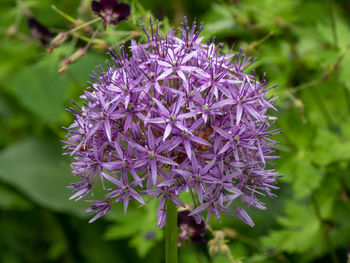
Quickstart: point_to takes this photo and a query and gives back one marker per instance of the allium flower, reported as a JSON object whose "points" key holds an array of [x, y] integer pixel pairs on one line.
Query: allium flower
{"points": [[175, 116], [111, 11]]}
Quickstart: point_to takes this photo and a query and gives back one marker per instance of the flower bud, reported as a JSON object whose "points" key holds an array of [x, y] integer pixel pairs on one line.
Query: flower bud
{"points": [[64, 65], [58, 40], [213, 248], [11, 30], [224, 250], [77, 55], [135, 33], [229, 232], [99, 45], [216, 245], [299, 103], [112, 12], [219, 236]]}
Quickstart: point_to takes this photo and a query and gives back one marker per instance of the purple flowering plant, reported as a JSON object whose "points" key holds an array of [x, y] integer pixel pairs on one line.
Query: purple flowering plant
{"points": [[174, 115]]}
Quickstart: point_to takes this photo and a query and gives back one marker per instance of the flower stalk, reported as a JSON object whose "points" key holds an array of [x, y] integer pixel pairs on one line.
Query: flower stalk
{"points": [[171, 233]]}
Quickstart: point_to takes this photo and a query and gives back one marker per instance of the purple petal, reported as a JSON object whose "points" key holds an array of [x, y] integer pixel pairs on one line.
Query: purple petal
{"points": [[165, 160], [239, 114], [126, 203], [199, 140], [151, 140], [225, 148], [167, 131], [188, 149], [154, 171], [244, 216], [200, 209]]}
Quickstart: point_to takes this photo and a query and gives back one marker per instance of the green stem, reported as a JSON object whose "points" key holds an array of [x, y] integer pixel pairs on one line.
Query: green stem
{"points": [[332, 17], [319, 102], [171, 233], [84, 25], [63, 14], [92, 37]]}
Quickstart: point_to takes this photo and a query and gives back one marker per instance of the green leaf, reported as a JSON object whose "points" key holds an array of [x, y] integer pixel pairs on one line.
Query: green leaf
{"points": [[41, 90], [138, 224], [219, 21], [344, 69], [343, 32], [327, 194], [331, 147], [38, 170], [302, 174], [11, 200], [301, 232]]}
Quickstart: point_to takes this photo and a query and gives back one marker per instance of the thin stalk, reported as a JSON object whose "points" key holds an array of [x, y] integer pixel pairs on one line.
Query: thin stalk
{"points": [[332, 17], [316, 96], [335, 39], [257, 43], [81, 37], [84, 25], [139, 6], [63, 14], [347, 98], [193, 199], [171, 233], [93, 37]]}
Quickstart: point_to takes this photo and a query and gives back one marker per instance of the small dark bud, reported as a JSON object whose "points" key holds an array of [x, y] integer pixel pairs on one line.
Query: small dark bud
{"points": [[150, 235], [39, 31], [111, 11], [190, 229]]}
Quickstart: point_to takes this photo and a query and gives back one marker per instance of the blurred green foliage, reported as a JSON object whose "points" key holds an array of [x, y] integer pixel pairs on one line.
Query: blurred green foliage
{"points": [[302, 45]]}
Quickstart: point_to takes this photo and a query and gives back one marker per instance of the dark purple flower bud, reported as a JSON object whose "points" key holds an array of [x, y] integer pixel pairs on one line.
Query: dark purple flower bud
{"points": [[39, 31], [190, 228], [111, 11]]}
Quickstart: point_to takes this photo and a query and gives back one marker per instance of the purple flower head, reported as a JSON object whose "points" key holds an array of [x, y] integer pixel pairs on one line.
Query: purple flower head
{"points": [[39, 31], [111, 11], [175, 116]]}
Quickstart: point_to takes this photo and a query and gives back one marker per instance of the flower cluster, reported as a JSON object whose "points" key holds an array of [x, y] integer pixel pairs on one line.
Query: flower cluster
{"points": [[177, 115]]}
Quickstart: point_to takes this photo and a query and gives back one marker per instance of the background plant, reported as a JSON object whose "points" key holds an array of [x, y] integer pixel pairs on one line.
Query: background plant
{"points": [[303, 45]]}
